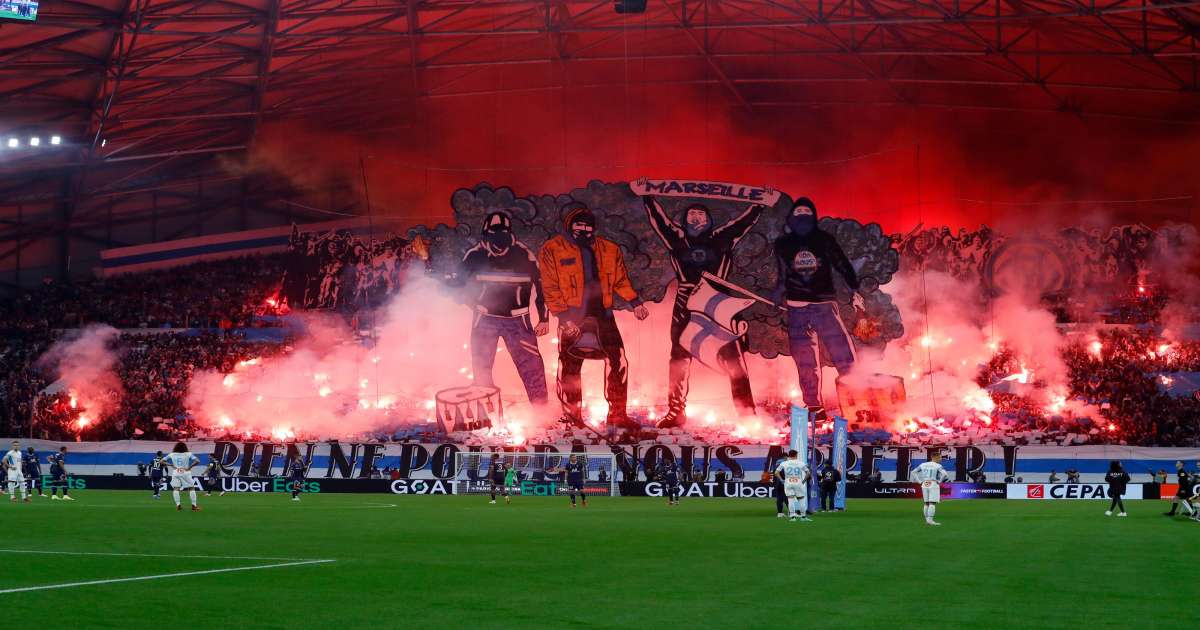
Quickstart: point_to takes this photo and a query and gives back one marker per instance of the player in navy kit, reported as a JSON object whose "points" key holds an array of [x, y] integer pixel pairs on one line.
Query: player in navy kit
{"points": [[668, 473], [58, 474], [212, 478], [296, 476], [33, 471], [497, 477], [576, 471], [157, 465]]}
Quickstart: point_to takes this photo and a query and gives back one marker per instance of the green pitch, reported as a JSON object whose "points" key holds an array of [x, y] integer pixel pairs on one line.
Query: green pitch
{"points": [[405, 561], [12, 14]]}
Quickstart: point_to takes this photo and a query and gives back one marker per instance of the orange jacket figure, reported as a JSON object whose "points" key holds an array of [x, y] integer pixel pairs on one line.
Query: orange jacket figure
{"points": [[580, 274], [561, 263]]}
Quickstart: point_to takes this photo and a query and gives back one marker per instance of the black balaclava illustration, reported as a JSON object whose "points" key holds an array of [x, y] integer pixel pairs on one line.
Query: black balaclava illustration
{"points": [[802, 221], [698, 228], [583, 235], [497, 232]]}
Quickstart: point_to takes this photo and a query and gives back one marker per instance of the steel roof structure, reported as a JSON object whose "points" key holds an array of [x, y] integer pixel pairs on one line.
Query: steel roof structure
{"points": [[148, 95]]}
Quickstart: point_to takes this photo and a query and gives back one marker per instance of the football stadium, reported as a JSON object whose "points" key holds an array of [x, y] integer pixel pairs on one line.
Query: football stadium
{"points": [[595, 313]]}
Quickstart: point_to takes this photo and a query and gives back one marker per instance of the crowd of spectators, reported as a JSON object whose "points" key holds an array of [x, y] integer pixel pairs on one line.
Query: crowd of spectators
{"points": [[231, 293], [1116, 376], [154, 370], [20, 381], [1121, 372]]}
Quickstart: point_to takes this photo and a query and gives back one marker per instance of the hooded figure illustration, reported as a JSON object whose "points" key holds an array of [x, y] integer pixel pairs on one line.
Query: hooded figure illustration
{"points": [[502, 275], [807, 258], [696, 247], [581, 273]]}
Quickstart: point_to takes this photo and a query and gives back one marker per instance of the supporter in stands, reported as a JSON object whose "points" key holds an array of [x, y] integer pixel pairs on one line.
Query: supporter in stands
{"points": [[193, 296], [1122, 376]]}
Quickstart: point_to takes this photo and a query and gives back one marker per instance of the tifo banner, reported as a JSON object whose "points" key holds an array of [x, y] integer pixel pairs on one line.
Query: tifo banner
{"points": [[705, 190], [1059, 491], [713, 308], [699, 462], [167, 254], [693, 489], [336, 267]]}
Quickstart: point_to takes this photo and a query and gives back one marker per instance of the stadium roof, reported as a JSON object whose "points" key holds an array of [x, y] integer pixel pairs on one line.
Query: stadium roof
{"points": [[147, 92]]}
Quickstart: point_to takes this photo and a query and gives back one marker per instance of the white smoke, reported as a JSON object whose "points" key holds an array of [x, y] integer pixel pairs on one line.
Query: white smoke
{"points": [[84, 362]]}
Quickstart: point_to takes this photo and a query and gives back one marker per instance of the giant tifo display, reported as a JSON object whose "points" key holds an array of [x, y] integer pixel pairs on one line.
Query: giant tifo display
{"points": [[657, 311]]}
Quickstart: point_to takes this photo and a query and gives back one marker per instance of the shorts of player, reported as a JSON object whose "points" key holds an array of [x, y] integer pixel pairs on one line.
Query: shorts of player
{"points": [[16, 478], [931, 492], [182, 482], [795, 490]]}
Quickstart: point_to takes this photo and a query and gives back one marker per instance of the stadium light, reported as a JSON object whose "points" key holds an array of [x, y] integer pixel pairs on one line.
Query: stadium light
{"points": [[55, 140], [13, 143], [35, 141]]}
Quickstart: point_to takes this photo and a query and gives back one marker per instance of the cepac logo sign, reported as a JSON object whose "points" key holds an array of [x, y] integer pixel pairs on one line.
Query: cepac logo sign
{"points": [[1069, 491]]}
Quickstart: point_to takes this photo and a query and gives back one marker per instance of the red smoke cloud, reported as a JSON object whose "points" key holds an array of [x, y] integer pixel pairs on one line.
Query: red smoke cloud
{"points": [[1009, 170]]}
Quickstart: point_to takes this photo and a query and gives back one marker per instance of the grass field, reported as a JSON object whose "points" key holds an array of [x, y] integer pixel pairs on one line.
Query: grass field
{"points": [[422, 561]]}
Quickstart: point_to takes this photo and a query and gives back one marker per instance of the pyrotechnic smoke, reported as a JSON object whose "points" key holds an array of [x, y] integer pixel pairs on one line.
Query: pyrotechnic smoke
{"points": [[951, 332], [85, 362], [334, 383]]}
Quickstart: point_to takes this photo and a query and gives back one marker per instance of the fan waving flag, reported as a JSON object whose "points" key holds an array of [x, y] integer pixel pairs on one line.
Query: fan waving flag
{"points": [[711, 324]]}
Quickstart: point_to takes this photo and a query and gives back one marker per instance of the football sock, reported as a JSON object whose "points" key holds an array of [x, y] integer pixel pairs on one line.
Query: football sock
{"points": [[192, 495], [175, 494]]}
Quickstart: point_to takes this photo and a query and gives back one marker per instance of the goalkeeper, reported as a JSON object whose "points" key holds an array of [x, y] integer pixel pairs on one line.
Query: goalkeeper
{"points": [[510, 482]]}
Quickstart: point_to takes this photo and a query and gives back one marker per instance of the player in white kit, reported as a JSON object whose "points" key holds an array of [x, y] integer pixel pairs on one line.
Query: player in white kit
{"points": [[794, 474], [930, 476], [14, 466], [180, 462]]}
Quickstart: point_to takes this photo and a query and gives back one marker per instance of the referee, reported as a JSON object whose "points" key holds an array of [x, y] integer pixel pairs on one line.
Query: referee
{"points": [[1184, 493]]}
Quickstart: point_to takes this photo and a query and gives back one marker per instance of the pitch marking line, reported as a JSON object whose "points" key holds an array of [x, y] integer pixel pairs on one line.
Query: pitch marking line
{"points": [[159, 577], [148, 555], [290, 562]]}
